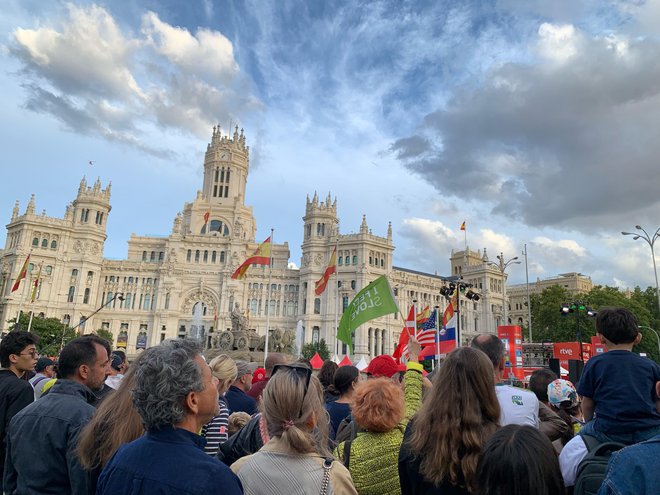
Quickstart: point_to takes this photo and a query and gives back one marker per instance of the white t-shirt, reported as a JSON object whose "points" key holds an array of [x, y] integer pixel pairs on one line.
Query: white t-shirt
{"points": [[519, 407], [570, 457]]}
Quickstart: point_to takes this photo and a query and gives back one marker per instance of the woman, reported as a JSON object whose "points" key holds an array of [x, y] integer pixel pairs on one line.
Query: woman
{"points": [[115, 423], [519, 460], [223, 368], [295, 461], [564, 400], [343, 386], [326, 376], [443, 442]]}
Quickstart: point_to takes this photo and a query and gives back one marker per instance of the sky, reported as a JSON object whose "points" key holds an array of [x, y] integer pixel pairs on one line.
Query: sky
{"points": [[534, 122]]}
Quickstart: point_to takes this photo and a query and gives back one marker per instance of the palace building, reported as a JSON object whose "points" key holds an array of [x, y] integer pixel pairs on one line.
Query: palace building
{"points": [[180, 284]]}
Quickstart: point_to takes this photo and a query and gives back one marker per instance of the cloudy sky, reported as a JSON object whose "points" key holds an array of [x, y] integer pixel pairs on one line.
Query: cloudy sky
{"points": [[535, 122]]}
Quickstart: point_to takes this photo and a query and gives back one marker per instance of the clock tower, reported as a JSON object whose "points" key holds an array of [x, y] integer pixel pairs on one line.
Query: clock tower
{"points": [[225, 168]]}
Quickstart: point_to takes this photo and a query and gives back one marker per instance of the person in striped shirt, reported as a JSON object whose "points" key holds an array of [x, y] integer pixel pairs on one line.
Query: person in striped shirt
{"points": [[216, 431]]}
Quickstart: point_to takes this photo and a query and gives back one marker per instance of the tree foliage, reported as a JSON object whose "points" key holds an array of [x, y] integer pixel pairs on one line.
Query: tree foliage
{"points": [[549, 325], [53, 334], [321, 347], [105, 334]]}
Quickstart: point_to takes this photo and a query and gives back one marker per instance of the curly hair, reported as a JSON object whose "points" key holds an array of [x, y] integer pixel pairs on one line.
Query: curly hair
{"points": [[165, 375], [327, 372], [378, 405], [459, 414], [115, 423], [289, 411], [14, 343]]}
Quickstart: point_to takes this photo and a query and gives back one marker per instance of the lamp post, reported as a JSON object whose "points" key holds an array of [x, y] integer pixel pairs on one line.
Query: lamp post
{"points": [[529, 303], [656, 335], [576, 307], [650, 241], [502, 266]]}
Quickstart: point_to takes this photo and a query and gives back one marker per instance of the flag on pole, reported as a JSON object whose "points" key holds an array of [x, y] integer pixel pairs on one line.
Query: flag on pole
{"points": [[463, 225], [374, 300], [447, 334], [21, 275], [206, 217], [423, 316], [330, 269], [408, 328], [35, 289], [427, 332], [260, 257]]}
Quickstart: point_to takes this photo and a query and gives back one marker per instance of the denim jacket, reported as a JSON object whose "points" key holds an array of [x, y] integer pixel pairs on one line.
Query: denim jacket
{"points": [[633, 470]]}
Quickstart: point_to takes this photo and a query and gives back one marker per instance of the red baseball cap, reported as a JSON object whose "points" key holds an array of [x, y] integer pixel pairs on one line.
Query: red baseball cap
{"points": [[383, 365]]}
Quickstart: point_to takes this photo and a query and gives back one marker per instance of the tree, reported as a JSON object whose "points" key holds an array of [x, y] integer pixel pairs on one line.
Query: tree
{"points": [[53, 334], [321, 347], [106, 334]]}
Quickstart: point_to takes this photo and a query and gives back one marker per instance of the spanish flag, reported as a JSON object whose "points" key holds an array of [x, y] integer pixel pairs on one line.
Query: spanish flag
{"points": [[21, 275], [423, 316], [330, 269], [35, 288], [260, 257], [463, 225]]}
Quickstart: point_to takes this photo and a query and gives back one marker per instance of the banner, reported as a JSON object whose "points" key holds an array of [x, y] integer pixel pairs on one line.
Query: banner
{"points": [[374, 300]]}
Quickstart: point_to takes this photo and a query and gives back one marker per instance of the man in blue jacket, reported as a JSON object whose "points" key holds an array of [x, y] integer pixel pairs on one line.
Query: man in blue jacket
{"points": [[175, 395], [42, 438]]}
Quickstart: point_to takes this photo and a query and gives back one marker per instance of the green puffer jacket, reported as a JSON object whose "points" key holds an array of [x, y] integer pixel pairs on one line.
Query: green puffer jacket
{"points": [[374, 456]]}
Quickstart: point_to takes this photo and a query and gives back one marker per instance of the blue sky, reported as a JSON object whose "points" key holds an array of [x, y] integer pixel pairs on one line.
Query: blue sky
{"points": [[534, 121]]}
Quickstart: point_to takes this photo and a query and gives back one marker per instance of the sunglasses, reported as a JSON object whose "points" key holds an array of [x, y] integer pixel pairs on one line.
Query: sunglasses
{"points": [[301, 372]]}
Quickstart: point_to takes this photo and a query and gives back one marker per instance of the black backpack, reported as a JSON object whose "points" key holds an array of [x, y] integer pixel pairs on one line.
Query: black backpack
{"points": [[591, 470]]}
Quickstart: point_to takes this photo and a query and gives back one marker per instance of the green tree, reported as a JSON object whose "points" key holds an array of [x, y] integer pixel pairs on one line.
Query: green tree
{"points": [[321, 347], [53, 334], [106, 334]]}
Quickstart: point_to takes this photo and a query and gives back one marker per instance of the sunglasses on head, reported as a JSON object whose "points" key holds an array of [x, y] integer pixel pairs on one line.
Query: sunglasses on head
{"points": [[302, 372]]}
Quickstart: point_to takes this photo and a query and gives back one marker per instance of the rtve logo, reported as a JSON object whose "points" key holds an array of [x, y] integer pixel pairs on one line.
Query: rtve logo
{"points": [[568, 352]]}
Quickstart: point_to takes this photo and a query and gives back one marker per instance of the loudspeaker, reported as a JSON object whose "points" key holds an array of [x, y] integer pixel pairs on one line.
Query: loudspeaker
{"points": [[575, 368], [554, 367]]}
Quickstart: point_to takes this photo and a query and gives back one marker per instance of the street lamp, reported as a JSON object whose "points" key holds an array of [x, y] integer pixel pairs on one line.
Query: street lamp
{"points": [[576, 307], [656, 335], [651, 241], [502, 266]]}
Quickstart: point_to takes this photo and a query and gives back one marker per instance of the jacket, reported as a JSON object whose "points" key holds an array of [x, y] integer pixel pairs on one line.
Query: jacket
{"points": [[42, 439], [633, 470], [245, 441], [15, 394], [373, 456], [238, 400], [277, 470], [167, 461], [550, 423]]}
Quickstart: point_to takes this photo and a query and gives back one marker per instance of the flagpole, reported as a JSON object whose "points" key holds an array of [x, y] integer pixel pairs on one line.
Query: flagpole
{"points": [[34, 295], [336, 294], [20, 299], [270, 278], [458, 315], [437, 335], [415, 317]]}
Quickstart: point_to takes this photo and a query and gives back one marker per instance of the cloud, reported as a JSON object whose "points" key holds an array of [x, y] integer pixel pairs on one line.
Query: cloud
{"points": [[98, 79], [552, 141]]}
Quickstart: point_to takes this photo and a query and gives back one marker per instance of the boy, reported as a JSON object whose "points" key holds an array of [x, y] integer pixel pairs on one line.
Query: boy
{"points": [[618, 386]]}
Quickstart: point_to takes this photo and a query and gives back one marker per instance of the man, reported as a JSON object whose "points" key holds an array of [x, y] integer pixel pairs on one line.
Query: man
{"points": [[45, 369], [116, 376], [175, 395], [18, 354], [50, 426], [273, 359], [518, 406], [236, 397]]}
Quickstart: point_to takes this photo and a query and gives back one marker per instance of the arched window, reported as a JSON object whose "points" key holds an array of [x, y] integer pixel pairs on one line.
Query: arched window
{"points": [[347, 260], [197, 256], [161, 256], [153, 256], [144, 256], [127, 300], [35, 242], [86, 296], [317, 306], [53, 244], [71, 295], [188, 255], [213, 257], [206, 256], [74, 272], [340, 259], [222, 256], [355, 259], [271, 307], [49, 270], [44, 243], [147, 301], [253, 306]]}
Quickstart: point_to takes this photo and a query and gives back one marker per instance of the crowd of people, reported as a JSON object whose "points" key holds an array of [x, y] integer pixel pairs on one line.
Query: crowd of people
{"points": [[171, 422]]}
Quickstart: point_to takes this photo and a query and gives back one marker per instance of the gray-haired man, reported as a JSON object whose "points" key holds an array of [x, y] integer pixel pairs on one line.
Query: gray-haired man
{"points": [[175, 395]]}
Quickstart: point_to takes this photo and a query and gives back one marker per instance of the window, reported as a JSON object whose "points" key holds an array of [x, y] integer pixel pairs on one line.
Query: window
{"points": [[197, 256], [53, 244], [317, 306], [167, 301], [347, 260], [188, 255], [74, 272], [344, 303], [44, 243], [222, 256], [161, 256], [213, 256], [86, 296], [355, 259], [127, 300], [271, 307], [316, 331], [353, 284], [30, 267], [35, 242], [340, 260], [147, 302], [49, 270], [206, 256], [109, 297], [71, 295], [152, 258], [144, 256]]}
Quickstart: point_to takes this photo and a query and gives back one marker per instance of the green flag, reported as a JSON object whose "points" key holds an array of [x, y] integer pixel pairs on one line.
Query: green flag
{"points": [[371, 302]]}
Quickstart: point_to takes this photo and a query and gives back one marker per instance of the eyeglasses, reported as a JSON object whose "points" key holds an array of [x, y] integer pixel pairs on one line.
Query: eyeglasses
{"points": [[298, 371], [32, 353]]}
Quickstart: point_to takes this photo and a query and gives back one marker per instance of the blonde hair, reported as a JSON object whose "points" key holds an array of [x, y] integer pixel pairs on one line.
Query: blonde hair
{"points": [[224, 369], [237, 420], [296, 416]]}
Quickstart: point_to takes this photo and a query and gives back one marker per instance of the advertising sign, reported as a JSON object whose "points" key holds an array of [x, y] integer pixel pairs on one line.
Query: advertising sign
{"points": [[597, 346], [511, 337]]}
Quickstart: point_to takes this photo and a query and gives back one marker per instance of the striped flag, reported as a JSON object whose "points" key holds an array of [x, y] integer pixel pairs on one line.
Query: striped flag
{"points": [[322, 283], [427, 332], [260, 257], [21, 275], [408, 330], [37, 281], [463, 225]]}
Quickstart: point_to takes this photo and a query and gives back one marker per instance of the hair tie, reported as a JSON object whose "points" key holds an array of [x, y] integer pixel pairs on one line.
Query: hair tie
{"points": [[287, 424]]}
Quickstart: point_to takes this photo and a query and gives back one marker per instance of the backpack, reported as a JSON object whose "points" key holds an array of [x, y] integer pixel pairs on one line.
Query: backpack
{"points": [[591, 470]]}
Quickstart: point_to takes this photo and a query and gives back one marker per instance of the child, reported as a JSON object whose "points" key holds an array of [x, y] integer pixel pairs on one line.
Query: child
{"points": [[237, 421], [618, 386]]}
